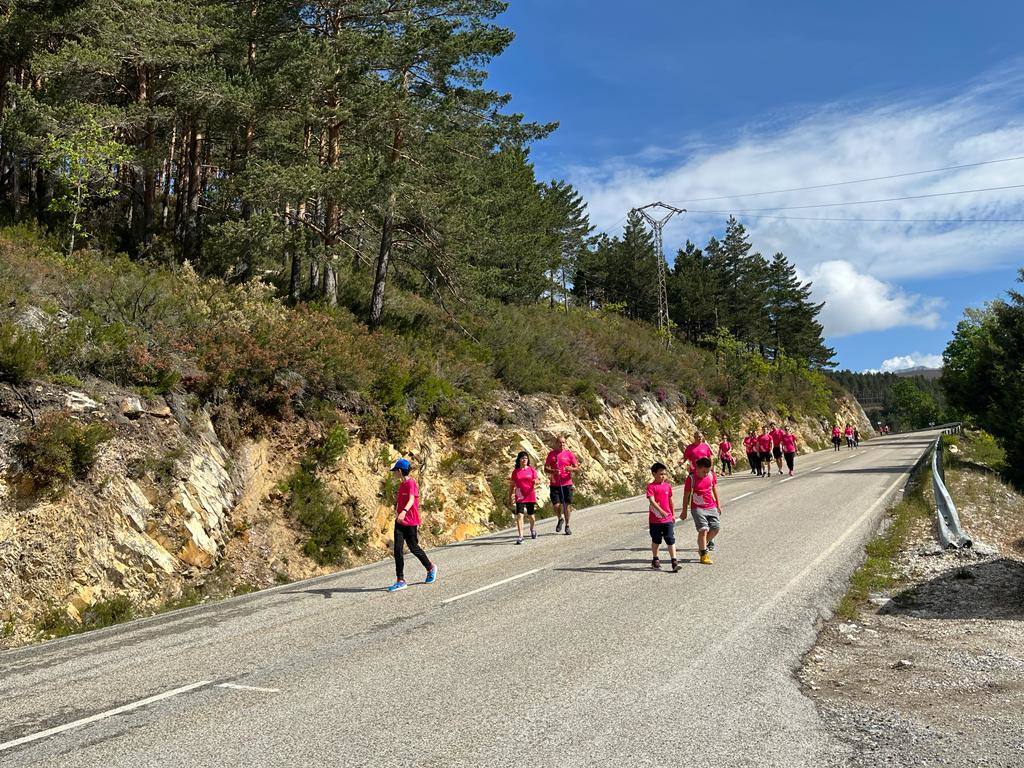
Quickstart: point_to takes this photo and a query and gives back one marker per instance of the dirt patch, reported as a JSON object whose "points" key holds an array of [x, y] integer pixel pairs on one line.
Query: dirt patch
{"points": [[932, 673]]}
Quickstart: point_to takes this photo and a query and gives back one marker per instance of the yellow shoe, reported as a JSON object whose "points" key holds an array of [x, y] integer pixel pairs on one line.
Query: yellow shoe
{"points": [[705, 559]]}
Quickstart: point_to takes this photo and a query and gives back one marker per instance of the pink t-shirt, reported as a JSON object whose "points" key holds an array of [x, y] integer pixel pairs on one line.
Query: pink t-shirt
{"points": [[788, 443], [764, 443], [849, 431], [661, 493], [836, 431], [558, 461], [725, 449], [776, 436], [703, 496], [524, 479], [749, 444], [406, 490], [696, 451]]}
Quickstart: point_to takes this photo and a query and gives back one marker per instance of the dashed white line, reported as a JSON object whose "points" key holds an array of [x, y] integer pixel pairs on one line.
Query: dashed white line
{"points": [[742, 496], [837, 461], [786, 479], [101, 716], [237, 687], [492, 586], [816, 469]]}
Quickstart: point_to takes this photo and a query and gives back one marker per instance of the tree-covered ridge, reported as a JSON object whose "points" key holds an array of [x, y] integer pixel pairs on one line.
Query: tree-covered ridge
{"points": [[337, 147], [726, 286], [900, 401]]}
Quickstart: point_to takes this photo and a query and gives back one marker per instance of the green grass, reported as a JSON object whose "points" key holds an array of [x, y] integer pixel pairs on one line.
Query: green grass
{"points": [[877, 574], [55, 621]]}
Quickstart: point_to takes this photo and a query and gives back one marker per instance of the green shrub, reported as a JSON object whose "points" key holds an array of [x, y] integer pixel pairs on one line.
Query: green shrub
{"points": [[59, 449], [55, 622], [330, 448], [332, 533], [21, 353]]}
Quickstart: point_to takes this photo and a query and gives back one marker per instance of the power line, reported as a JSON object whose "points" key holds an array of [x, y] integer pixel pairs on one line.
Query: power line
{"points": [[867, 202], [852, 181], [873, 220]]}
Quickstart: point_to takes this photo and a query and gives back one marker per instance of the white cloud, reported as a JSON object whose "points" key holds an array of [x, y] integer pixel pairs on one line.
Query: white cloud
{"points": [[913, 360], [840, 142], [856, 302]]}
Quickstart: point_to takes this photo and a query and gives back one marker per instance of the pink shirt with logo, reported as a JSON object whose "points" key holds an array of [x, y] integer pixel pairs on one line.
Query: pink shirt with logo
{"points": [[524, 479], [776, 436], [764, 443], [558, 461], [702, 492], [406, 490], [661, 493], [788, 443]]}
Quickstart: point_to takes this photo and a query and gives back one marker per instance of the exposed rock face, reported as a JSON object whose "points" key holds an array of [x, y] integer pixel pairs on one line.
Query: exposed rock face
{"points": [[167, 506]]}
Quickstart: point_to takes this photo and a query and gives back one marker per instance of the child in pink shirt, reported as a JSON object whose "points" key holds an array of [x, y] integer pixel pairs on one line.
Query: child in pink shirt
{"points": [[661, 516], [700, 495]]}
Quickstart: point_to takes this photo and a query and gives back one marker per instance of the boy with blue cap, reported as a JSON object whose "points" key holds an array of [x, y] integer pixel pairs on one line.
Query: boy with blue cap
{"points": [[407, 523]]}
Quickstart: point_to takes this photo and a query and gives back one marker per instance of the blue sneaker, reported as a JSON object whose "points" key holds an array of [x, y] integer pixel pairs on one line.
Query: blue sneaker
{"points": [[431, 575], [397, 586]]}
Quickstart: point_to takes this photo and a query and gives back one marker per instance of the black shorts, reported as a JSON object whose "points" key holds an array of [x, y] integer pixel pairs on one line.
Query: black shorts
{"points": [[663, 532], [526, 507], [561, 494], [777, 452], [766, 456]]}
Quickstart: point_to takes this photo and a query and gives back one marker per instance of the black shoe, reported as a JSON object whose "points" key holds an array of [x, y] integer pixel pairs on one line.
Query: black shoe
{"points": [[711, 546], [567, 531], [675, 566], [558, 528], [656, 563]]}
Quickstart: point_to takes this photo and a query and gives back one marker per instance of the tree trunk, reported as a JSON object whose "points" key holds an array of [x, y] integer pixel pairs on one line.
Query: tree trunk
{"points": [[383, 257], [168, 174], [330, 282]]}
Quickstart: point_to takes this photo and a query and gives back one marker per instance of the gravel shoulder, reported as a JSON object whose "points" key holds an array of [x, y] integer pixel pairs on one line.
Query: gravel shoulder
{"points": [[932, 673]]}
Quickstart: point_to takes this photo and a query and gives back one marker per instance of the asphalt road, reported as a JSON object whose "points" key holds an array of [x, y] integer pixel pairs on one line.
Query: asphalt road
{"points": [[573, 652]]}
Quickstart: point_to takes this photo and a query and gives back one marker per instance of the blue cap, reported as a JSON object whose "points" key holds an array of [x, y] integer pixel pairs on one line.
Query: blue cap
{"points": [[402, 464]]}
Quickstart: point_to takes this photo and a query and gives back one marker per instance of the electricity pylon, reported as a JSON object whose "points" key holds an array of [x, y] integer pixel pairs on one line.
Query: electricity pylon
{"points": [[657, 225]]}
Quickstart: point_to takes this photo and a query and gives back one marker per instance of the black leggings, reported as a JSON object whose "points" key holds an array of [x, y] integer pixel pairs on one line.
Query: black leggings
{"points": [[752, 460], [408, 534], [789, 459]]}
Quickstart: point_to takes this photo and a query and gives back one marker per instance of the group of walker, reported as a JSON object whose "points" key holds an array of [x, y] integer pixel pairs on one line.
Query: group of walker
{"points": [[700, 495], [851, 433]]}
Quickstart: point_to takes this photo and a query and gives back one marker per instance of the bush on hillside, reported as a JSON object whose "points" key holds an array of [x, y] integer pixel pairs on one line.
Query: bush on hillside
{"points": [[21, 353], [57, 449]]}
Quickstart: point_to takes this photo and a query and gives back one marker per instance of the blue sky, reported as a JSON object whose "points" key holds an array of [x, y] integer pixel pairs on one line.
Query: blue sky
{"points": [[677, 101]]}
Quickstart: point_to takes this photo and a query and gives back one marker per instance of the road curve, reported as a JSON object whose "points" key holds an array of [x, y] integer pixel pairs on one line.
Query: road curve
{"points": [[566, 651]]}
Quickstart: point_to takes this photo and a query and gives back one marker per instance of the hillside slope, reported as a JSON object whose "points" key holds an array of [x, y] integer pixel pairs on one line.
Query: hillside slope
{"points": [[165, 440]]}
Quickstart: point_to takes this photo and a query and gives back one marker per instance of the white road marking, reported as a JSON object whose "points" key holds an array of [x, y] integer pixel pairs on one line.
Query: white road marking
{"points": [[101, 716], [786, 479], [837, 461], [742, 496], [816, 469], [492, 586], [248, 688]]}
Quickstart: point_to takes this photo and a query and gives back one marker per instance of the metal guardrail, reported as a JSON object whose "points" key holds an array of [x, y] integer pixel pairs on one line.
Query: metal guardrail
{"points": [[951, 533]]}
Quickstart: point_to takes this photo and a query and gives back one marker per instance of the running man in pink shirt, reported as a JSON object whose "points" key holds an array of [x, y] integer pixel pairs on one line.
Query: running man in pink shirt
{"points": [[788, 445], [560, 465], [407, 521], [661, 516], [700, 495], [522, 489]]}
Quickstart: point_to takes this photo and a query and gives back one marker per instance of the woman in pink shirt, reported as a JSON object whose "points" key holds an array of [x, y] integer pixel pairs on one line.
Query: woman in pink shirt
{"points": [[837, 436], [698, 449], [522, 489], [849, 436], [764, 450], [725, 455], [788, 445]]}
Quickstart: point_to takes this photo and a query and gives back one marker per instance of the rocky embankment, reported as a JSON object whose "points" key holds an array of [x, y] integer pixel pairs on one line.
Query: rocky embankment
{"points": [[171, 511]]}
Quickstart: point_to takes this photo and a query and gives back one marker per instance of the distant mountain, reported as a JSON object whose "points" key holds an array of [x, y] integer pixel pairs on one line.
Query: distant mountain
{"points": [[927, 373]]}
